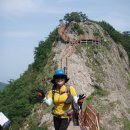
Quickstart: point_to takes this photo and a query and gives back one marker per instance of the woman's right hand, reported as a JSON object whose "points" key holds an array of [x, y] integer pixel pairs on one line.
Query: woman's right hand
{"points": [[41, 95]]}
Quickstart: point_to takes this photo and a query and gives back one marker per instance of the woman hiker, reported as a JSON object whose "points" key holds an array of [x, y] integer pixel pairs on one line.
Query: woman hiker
{"points": [[62, 96]]}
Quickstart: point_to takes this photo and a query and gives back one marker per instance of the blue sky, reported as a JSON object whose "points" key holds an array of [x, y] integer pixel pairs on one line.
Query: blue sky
{"points": [[23, 23]]}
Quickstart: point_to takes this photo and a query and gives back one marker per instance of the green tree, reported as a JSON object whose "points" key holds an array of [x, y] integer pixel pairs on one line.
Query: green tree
{"points": [[83, 17], [75, 16], [42, 52], [126, 33], [122, 38]]}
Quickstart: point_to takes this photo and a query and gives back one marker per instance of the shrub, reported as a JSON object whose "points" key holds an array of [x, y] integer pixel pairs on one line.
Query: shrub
{"points": [[126, 124], [75, 16], [76, 28], [122, 38]]}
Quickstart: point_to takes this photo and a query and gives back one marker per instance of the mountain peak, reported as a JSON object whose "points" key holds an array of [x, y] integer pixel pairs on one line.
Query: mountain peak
{"points": [[2, 85]]}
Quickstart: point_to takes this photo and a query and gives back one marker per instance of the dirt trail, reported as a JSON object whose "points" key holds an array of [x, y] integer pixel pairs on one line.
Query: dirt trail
{"points": [[72, 127]]}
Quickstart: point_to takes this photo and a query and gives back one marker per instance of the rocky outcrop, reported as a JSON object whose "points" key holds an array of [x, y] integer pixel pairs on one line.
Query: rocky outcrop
{"points": [[107, 66]]}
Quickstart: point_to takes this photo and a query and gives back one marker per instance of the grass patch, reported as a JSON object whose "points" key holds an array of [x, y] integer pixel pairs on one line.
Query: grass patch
{"points": [[77, 29], [94, 99], [102, 128], [95, 61], [107, 45], [78, 49], [107, 108], [114, 120], [126, 124], [128, 110], [99, 92], [98, 73]]}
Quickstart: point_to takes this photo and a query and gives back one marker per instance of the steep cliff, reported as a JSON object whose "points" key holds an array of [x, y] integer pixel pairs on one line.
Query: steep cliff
{"points": [[101, 72], [103, 67]]}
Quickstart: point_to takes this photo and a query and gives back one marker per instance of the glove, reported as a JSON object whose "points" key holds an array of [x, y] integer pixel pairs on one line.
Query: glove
{"points": [[41, 93], [41, 96], [81, 97]]}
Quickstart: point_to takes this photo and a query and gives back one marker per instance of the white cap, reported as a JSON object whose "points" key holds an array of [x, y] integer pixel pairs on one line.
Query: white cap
{"points": [[4, 121]]}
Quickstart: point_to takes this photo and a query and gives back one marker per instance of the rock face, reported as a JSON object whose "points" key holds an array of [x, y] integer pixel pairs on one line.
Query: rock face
{"points": [[106, 65], [78, 72]]}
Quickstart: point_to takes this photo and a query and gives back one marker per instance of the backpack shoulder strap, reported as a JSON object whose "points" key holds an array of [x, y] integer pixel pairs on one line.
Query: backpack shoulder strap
{"points": [[68, 89], [53, 93]]}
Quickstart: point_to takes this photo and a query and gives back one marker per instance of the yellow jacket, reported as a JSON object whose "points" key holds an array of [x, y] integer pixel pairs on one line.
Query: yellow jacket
{"points": [[60, 97]]}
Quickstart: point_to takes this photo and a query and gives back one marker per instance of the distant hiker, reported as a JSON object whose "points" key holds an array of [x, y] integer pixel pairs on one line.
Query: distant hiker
{"points": [[4, 121], [62, 96]]}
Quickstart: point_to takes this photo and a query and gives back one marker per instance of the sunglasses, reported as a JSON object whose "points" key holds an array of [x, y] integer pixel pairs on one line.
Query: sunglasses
{"points": [[59, 77]]}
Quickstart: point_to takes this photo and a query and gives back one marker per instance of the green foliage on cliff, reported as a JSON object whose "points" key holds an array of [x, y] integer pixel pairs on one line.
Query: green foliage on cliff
{"points": [[98, 92], [42, 52], [19, 97], [126, 124], [77, 29], [122, 38]]}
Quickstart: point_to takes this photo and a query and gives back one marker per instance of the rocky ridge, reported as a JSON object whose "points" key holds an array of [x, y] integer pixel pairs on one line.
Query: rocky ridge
{"points": [[105, 65], [101, 72]]}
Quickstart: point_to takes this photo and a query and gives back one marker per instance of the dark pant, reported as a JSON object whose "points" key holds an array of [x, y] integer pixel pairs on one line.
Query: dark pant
{"points": [[76, 119], [61, 123]]}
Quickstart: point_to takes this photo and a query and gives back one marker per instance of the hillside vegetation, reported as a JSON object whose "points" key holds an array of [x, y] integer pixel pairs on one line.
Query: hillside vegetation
{"points": [[18, 99], [121, 38]]}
